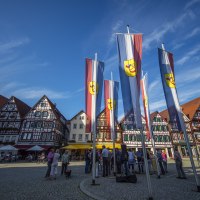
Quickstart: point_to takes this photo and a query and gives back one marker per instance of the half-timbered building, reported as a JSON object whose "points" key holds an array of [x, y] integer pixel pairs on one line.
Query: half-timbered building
{"points": [[103, 130], [43, 125], [11, 117], [132, 136], [191, 118]]}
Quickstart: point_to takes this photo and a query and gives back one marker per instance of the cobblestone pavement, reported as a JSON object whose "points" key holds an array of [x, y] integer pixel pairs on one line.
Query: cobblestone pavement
{"points": [[24, 181], [166, 188]]}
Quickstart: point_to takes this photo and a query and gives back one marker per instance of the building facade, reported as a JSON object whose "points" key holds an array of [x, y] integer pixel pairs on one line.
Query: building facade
{"points": [[43, 125], [11, 118], [132, 136], [77, 129], [190, 111], [103, 130]]}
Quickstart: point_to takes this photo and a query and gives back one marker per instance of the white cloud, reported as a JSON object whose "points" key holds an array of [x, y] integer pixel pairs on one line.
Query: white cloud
{"points": [[187, 94], [157, 105], [191, 3], [4, 47], [115, 29], [193, 33], [188, 55], [153, 85], [157, 34]]}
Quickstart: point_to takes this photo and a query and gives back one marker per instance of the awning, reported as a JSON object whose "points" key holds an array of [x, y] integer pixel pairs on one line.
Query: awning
{"points": [[108, 145], [77, 146]]}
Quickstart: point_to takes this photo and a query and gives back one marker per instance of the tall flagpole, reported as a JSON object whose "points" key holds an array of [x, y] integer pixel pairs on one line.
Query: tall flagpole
{"points": [[94, 123], [113, 122], [183, 127], [151, 132], [145, 155]]}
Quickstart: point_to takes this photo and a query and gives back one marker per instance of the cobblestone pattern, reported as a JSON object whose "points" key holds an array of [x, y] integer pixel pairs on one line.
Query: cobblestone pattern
{"points": [[166, 188], [26, 182]]}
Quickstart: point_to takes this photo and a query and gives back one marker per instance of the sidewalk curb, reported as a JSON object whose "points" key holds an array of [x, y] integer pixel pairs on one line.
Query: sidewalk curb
{"points": [[85, 191]]}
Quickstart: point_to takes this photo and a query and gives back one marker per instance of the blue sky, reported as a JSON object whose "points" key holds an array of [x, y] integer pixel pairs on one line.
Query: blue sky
{"points": [[43, 46]]}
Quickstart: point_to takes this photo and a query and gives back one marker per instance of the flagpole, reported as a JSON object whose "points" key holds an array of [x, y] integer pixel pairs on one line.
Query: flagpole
{"points": [[191, 159], [151, 133], [113, 124], [146, 166], [94, 126], [183, 127], [145, 155], [128, 29]]}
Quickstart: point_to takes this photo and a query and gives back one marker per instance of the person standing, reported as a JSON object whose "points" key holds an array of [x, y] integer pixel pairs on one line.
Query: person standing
{"points": [[105, 153], [160, 161], [65, 161], [87, 161], [124, 159], [54, 164], [118, 160], [179, 164], [164, 157], [139, 155], [49, 162], [131, 160]]}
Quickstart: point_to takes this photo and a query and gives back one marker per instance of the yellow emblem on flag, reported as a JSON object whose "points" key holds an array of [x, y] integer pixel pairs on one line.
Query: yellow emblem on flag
{"points": [[111, 104], [93, 87], [130, 67], [146, 101], [169, 78]]}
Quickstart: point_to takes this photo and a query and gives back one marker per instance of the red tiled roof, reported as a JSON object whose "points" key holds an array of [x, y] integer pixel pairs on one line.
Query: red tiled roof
{"points": [[3, 100], [191, 107], [188, 109], [22, 107]]}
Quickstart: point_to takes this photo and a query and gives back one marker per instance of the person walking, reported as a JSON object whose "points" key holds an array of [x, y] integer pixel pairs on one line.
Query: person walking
{"points": [[65, 162], [105, 153], [179, 164], [49, 162], [54, 164]]}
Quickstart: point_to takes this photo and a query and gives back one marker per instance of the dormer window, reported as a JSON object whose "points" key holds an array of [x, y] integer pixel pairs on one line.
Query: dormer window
{"points": [[37, 114], [45, 114]]}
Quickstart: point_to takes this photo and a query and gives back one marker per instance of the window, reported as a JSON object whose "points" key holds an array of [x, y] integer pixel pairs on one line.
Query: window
{"points": [[81, 126], [74, 126], [125, 137], [29, 136], [13, 138], [24, 136], [82, 117], [80, 137], [39, 124], [33, 124], [3, 115], [37, 114], [11, 125], [43, 104], [12, 115], [74, 137], [45, 114], [50, 125], [86, 137], [7, 139], [1, 138]]}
